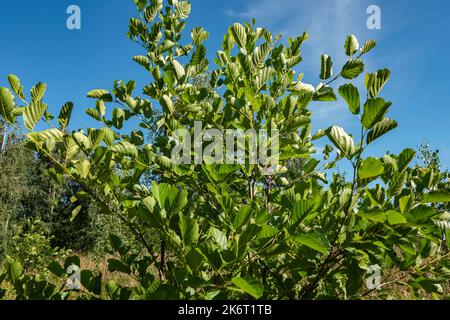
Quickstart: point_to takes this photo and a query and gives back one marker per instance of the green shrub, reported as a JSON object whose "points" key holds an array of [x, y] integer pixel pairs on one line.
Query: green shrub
{"points": [[31, 246], [232, 230]]}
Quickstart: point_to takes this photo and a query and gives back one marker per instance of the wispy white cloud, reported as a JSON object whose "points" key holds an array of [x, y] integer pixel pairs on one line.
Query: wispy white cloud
{"points": [[265, 11], [327, 114], [328, 23]]}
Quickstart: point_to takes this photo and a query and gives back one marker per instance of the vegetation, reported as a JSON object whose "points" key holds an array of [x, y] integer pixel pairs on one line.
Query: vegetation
{"points": [[232, 231]]}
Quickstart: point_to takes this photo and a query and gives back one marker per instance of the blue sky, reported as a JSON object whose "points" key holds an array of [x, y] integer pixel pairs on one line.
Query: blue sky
{"points": [[413, 42]]}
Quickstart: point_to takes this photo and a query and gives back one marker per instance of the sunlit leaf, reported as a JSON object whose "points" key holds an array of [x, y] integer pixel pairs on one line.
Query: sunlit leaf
{"points": [[351, 95], [374, 111], [341, 140], [33, 113], [352, 69], [251, 286], [380, 128], [316, 241], [351, 45]]}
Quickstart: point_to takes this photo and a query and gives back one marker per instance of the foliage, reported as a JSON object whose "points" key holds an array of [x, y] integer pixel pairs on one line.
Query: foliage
{"points": [[32, 247], [26, 192], [21, 196], [229, 230]]}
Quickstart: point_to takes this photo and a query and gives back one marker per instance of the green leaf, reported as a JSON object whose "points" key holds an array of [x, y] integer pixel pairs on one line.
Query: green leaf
{"points": [[75, 213], [369, 45], [100, 94], [251, 286], [137, 137], [143, 61], [48, 116], [373, 215], [341, 140], [370, 168], [125, 148], [375, 81], [351, 95], [374, 111], [96, 136], [264, 75], [242, 217], [222, 58], [65, 114], [164, 162], [407, 246], [260, 54], [406, 203], [7, 105], [182, 9], [319, 134], [45, 135], [38, 91], [316, 241], [115, 265], [220, 238], [82, 167], [152, 10], [115, 242], [118, 117], [324, 93], [169, 197], [199, 35], [421, 213], [439, 196], [237, 32], [351, 45], [55, 268], [195, 258], [179, 69], [326, 69], [82, 141], [94, 113], [267, 232], [15, 271], [301, 209], [33, 114], [198, 56], [72, 260], [18, 111], [352, 69], [110, 136], [140, 4], [380, 128], [429, 285], [167, 104], [93, 283], [395, 218], [396, 184], [101, 108], [14, 82], [189, 230], [178, 202], [405, 158], [311, 165]]}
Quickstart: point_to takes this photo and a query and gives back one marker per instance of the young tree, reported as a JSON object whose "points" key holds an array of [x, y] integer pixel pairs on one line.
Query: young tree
{"points": [[239, 230]]}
